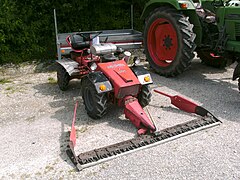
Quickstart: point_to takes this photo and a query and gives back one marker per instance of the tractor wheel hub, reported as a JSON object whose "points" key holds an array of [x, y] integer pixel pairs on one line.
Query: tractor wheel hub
{"points": [[167, 42]]}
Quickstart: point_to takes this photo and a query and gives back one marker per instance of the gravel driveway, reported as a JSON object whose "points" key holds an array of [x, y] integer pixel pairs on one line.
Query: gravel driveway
{"points": [[36, 115]]}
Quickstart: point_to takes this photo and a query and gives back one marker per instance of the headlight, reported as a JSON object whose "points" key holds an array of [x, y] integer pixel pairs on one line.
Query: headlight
{"points": [[147, 78], [102, 87]]}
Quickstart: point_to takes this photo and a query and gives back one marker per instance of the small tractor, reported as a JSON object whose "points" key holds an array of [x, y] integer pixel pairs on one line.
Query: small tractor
{"points": [[106, 76], [109, 74], [174, 29]]}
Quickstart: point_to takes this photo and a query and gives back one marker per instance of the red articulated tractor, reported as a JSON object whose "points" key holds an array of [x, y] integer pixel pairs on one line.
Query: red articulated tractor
{"points": [[106, 76]]}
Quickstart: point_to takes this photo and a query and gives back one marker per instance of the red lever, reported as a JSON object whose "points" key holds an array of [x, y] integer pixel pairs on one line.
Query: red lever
{"points": [[73, 130], [180, 102]]}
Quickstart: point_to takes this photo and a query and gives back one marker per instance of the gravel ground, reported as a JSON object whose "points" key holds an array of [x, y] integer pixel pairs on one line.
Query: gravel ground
{"points": [[36, 115]]}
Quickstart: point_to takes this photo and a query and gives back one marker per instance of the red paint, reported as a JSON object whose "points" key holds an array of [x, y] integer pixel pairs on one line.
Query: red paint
{"points": [[214, 56], [135, 113], [160, 32], [73, 130], [124, 81], [180, 102]]}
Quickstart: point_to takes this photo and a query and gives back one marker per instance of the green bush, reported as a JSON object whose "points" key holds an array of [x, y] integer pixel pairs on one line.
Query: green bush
{"points": [[27, 27]]}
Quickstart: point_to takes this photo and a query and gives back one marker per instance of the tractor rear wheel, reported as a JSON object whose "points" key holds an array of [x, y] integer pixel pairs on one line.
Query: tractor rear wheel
{"points": [[95, 104], [209, 59], [63, 78], [144, 97], [169, 41]]}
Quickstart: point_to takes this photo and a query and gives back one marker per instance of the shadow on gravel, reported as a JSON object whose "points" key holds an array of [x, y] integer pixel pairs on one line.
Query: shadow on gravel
{"points": [[45, 66], [64, 103], [216, 95]]}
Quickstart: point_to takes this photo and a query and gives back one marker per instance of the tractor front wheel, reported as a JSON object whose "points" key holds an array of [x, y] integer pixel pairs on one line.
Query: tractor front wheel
{"points": [[95, 104], [63, 78], [144, 97], [168, 41]]}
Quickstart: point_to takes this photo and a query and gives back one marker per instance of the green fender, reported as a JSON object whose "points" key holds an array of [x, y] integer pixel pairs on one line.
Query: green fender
{"points": [[152, 4]]}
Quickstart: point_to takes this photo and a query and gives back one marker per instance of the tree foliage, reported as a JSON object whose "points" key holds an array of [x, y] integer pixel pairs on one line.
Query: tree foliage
{"points": [[27, 27]]}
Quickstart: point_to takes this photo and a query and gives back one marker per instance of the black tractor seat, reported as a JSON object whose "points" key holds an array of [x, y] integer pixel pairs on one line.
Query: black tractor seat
{"points": [[78, 42]]}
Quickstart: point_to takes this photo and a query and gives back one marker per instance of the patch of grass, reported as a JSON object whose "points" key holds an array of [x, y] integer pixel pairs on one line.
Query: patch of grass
{"points": [[27, 83], [82, 130], [48, 169], [4, 81], [30, 119], [104, 166], [8, 88], [25, 176], [12, 90], [71, 171], [38, 174], [51, 80]]}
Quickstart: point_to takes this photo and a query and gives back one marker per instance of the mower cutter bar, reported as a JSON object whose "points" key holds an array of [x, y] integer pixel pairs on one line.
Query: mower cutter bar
{"points": [[107, 153]]}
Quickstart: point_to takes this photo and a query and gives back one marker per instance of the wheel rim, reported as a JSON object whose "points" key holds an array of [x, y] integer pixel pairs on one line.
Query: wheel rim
{"points": [[162, 42], [88, 99]]}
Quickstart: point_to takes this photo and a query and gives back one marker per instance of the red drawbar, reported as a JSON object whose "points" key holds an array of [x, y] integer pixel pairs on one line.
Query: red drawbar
{"points": [[73, 130], [180, 102], [135, 113]]}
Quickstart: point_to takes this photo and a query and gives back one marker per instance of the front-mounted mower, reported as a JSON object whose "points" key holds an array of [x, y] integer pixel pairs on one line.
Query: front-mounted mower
{"points": [[174, 29], [148, 136]]}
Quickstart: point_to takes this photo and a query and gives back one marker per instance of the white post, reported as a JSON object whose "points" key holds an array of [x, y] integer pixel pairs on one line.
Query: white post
{"points": [[56, 32], [132, 16]]}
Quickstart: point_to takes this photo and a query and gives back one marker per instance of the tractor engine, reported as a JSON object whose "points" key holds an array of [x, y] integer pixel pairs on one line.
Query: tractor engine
{"points": [[106, 50]]}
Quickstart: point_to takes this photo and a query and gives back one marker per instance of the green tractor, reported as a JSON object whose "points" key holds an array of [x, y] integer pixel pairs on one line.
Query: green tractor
{"points": [[174, 29]]}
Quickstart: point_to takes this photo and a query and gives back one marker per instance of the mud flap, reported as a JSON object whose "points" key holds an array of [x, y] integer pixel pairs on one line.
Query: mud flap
{"points": [[70, 65]]}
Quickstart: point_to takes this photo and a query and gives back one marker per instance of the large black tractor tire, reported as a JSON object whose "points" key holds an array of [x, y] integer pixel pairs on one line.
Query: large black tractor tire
{"points": [[144, 97], [95, 104], [63, 78], [207, 59], [168, 41]]}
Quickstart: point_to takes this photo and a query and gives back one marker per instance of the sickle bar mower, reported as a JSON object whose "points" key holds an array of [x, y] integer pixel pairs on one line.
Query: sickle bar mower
{"points": [[148, 136], [108, 75]]}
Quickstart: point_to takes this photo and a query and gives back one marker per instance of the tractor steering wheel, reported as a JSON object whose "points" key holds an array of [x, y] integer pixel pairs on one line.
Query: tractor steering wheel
{"points": [[87, 35]]}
